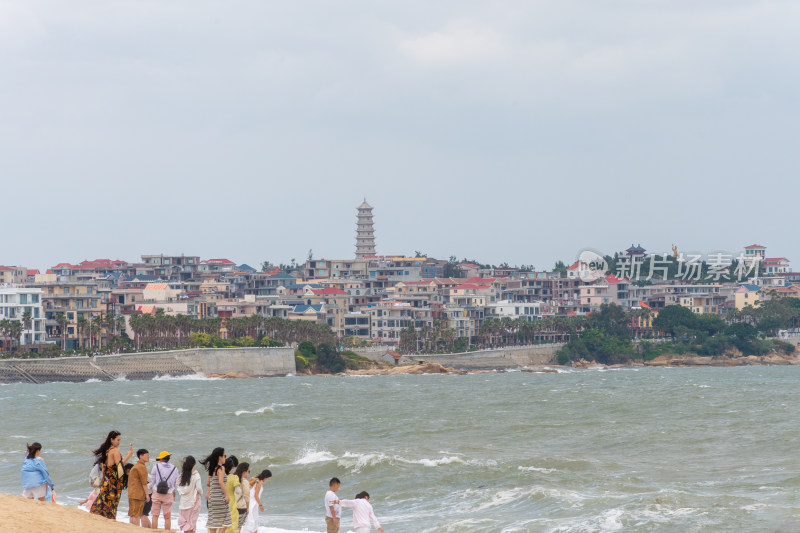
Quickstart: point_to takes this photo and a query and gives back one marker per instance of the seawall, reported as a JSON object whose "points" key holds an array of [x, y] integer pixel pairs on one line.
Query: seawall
{"points": [[497, 359], [255, 362]]}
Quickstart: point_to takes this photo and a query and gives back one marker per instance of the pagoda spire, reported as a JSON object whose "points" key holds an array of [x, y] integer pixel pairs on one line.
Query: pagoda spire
{"points": [[365, 232]]}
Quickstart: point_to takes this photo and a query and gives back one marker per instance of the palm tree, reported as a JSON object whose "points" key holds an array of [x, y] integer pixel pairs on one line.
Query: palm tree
{"points": [[81, 329], [15, 332], [5, 329], [120, 324], [27, 319], [62, 320]]}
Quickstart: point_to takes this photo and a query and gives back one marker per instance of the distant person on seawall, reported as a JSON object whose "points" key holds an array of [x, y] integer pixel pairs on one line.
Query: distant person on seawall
{"points": [[362, 513], [34, 475]]}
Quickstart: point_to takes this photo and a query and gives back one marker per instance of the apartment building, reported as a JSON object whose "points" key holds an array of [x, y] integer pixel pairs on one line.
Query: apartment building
{"points": [[24, 305]]}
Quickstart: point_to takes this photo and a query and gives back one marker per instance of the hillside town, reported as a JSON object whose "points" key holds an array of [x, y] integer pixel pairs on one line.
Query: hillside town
{"points": [[371, 299]]}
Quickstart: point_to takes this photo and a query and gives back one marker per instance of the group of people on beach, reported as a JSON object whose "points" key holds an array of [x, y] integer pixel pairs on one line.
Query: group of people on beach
{"points": [[233, 497]]}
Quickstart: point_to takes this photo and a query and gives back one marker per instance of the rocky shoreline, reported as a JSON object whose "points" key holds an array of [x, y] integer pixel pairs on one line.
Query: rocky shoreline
{"points": [[675, 360]]}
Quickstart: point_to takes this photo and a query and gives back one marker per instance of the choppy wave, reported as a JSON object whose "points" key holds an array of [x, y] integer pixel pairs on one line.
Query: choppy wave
{"points": [[262, 410], [189, 377], [93, 380], [356, 462], [311, 455], [176, 409], [536, 469]]}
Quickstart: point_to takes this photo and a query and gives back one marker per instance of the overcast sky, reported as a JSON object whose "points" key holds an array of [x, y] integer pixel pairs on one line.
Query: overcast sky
{"points": [[501, 131]]}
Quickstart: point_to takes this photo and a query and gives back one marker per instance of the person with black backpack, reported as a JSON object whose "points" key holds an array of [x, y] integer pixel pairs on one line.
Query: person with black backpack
{"points": [[163, 479]]}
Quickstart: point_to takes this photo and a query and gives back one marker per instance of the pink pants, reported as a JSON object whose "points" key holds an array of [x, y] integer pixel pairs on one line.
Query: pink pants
{"points": [[187, 519], [160, 500], [92, 498]]}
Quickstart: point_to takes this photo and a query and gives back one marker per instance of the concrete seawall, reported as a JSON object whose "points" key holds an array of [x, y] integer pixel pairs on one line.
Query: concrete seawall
{"points": [[256, 362], [498, 359]]}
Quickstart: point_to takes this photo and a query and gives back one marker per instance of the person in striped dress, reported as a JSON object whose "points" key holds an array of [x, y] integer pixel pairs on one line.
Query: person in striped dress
{"points": [[219, 512]]}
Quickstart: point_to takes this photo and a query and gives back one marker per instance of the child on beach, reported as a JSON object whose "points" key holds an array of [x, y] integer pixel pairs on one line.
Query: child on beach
{"points": [[95, 479], [362, 513], [333, 511]]}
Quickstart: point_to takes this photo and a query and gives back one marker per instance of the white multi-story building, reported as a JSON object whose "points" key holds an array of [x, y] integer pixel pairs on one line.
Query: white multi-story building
{"points": [[14, 302]]}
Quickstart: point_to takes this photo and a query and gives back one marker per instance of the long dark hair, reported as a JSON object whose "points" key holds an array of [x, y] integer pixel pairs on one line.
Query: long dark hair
{"points": [[265, 474], [241, 469], [231, 463], [32, 449], [211, 463], [101, 453], [127, 469], [186, 470]]}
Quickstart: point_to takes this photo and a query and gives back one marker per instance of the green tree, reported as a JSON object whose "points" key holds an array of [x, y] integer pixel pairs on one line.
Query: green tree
{"points": [[62, 321], [307, 349], [329, 359], [672, 317]]}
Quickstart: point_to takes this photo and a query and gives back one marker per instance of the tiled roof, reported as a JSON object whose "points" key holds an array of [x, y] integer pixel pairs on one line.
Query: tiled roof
{"points": [[753, 246], [471, 286], [328, 291], [772, 260], [476, 279], [220, 261], [303, 308], [750, 287], [155, 286]]}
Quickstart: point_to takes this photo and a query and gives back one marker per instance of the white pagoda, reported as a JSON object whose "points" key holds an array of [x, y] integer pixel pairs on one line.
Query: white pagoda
{"points": [[365, 233]]}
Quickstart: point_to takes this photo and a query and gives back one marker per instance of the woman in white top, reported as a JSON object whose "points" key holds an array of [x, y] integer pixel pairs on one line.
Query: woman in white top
{"points": [[362, 513], [256, 486], [190, 488]]}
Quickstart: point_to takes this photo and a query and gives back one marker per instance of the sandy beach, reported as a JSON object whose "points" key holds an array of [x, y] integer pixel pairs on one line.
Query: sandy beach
{"points": [[21, 515]]}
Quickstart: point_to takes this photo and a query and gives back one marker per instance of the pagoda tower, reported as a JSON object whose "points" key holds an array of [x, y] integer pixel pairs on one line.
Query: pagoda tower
{"points": [[365, 233]]}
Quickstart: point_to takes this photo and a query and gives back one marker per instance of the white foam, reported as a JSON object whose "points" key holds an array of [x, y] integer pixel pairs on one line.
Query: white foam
{"points": [[310, 456], [536, 469], [438, 462], [203, 519], [176, 409], [190, 377], [93, 380], [262, 410], [123, 403]]}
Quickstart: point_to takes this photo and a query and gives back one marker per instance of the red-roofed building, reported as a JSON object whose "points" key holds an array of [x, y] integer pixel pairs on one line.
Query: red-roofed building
{"points": [[13, 274], [328, 291], [772, 266], [755, 251]]}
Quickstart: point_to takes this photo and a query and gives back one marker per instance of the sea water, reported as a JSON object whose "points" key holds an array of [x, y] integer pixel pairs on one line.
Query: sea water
{"points": [[650, 449]]}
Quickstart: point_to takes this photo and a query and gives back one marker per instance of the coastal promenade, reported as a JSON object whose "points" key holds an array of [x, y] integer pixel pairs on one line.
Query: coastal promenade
{"points": [[251, 362], [498, 359]]}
